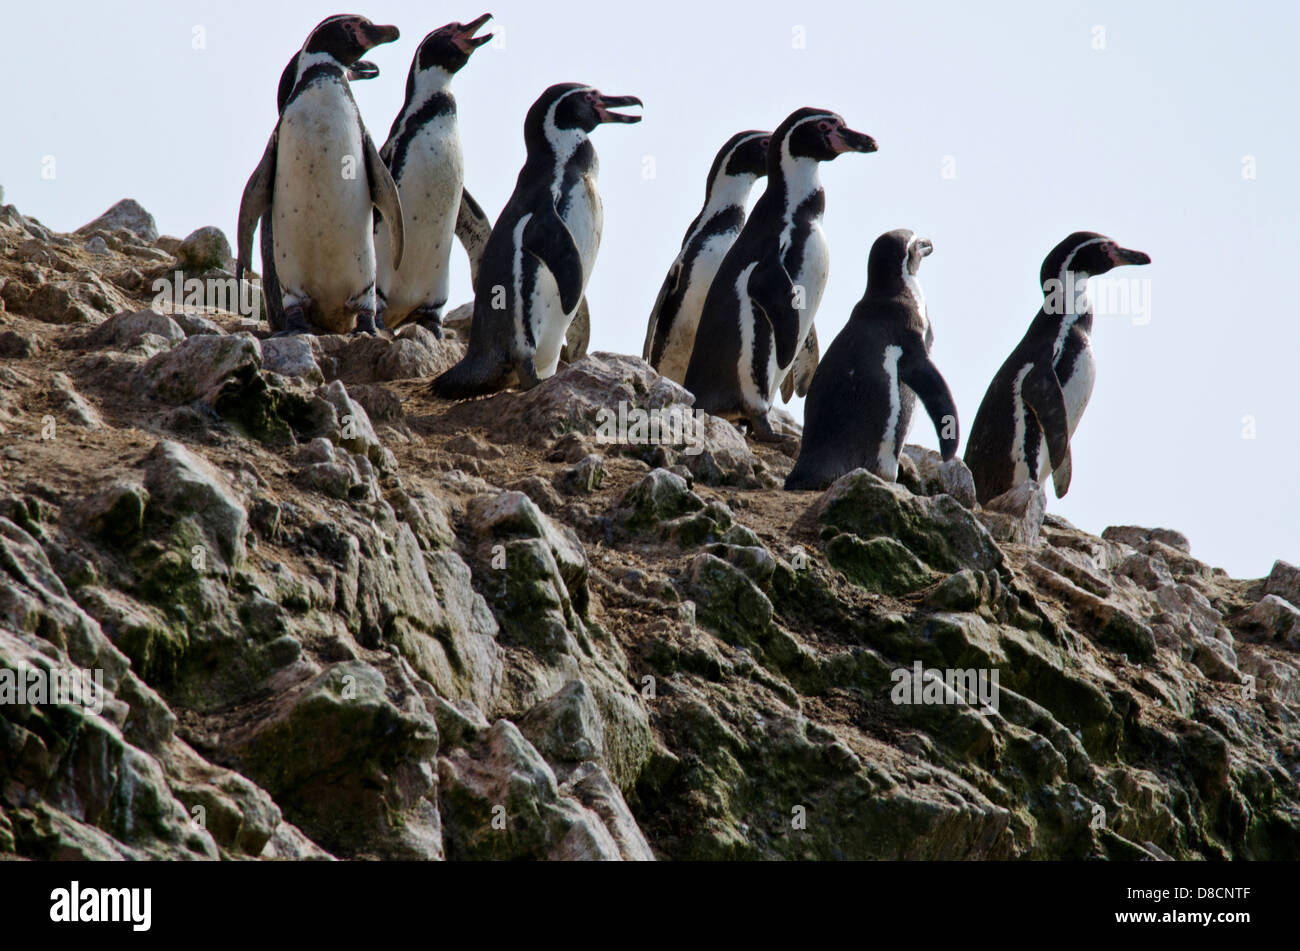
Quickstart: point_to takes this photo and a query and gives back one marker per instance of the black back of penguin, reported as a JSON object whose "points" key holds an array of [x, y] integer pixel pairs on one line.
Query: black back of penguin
{"points": [[1034, 402], [670, 334], [780, 247], [859, 406], [534, 232]]}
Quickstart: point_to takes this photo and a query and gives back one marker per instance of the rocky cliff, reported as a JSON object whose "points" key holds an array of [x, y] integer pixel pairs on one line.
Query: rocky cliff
{"points": [[334, 617]]}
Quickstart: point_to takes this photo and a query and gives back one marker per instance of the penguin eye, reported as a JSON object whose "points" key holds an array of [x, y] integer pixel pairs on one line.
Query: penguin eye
{"points": [[824, 126]]}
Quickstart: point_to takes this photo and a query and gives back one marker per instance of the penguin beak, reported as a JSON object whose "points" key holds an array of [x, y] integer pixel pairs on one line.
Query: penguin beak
{"points": [[1126, 256], [925, 246], [376, 34], [465, 39], [602, 109], [362, 69], [845, 139]]}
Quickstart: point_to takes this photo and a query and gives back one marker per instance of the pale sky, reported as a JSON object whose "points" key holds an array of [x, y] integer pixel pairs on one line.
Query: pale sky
{"points": [[1002, 128]]}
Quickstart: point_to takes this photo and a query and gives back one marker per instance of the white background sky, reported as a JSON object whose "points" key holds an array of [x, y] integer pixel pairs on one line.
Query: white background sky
{"points": [[1143, 141]]}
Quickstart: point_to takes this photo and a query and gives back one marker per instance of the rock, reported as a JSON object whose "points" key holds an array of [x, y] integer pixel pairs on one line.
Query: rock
{"points": [[1276, 618], [70, 404], [127, 214], [204, 249], [1137, 537], [505, 776], [725, 458], [567, 727], [200, 367], [938, 530], [353, 431], [18, 346], [64, 303], [97, 245], [880, 565], [937, 477], [659, 497], [125, 330], [1284, 581], [958, 592], [534, 573], [1016, 516], [727, 601], [182, 485], [349, 757], [291, 356], [194, 324]]}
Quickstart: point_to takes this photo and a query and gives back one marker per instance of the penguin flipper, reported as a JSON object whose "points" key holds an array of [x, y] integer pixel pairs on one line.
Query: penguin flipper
{"points": [[923, 377], [547, 238], [255, 202], [1041, 392], [657, 328], [772, 293], [800, 377], [473, 229], [578, 335], [383, 195]]}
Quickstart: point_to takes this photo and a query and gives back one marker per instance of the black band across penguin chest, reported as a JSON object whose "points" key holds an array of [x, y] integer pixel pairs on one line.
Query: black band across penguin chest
{"points": [[801, 222], [435, 107]]}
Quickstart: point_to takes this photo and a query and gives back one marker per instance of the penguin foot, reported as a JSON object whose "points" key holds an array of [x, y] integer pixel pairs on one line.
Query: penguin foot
{"points": [[295, 322], [528, 377], [430, 318], [367, 324]]}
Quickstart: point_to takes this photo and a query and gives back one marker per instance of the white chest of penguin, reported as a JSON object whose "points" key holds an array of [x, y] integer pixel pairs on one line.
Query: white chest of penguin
{"points": [[813, 271], [581, 210], [321, 191], [1077, 388]]}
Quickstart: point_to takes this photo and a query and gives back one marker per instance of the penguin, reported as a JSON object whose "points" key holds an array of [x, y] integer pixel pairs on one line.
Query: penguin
{"points": [[423, 153], [671, 332], [361, 69], [860, 403], [319, 177], [760, 308], [540, 254], [1033, 405]]}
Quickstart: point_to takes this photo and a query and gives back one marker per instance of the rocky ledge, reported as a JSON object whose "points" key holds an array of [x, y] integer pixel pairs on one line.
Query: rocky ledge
{"points": [[335, 618]]}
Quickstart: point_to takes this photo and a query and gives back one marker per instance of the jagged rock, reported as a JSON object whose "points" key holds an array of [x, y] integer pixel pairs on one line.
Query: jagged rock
{"points": [[534, 572], [502, 801], [660, 497], [194, 324], [71, 406], [1137, 537], [126, 214], [584, 477], [349, 757], [353, 430], [413, 354], [64, 302], [880, 565], [725, 458], [1016, 515], [1284, 581], [338, 474], [936, 477], [125, 330], [200, 367], [291, 356], [1276, 618], [938, 530], [184, 486], [567, 727], [203, 249], [17, 345]]}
